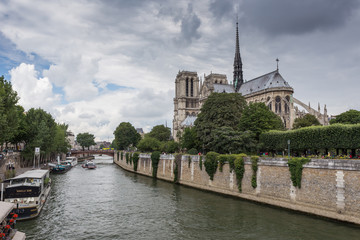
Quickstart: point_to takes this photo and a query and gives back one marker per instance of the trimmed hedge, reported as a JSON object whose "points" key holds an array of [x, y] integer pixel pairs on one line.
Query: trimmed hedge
{"points": [[337, 136]]}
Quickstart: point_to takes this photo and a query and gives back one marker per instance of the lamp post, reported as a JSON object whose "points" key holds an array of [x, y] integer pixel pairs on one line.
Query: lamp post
{"points": [[288, 148]]}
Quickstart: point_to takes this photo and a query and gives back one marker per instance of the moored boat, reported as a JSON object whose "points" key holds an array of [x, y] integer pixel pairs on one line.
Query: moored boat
{"points": [[72, 161], [89, 165], [59, 168], [7, 222], [28, 192]]}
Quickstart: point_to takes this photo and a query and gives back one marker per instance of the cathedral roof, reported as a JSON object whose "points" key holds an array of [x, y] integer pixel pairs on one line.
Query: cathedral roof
{"points": [[267, 81], [189, 121], [220, 88]]}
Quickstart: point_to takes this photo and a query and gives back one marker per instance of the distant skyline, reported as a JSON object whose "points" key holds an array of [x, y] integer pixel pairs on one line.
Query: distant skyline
{"points": [[95, 64]]}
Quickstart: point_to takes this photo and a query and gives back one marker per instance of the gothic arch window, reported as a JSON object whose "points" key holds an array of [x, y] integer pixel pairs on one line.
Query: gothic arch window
{"points": [[187, 87], [278, 104], [192, 87], [270, 106], [215, 81]]}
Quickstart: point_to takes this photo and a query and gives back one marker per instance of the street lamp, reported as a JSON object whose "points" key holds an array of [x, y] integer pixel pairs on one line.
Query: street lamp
{"points": [[288, 148]]}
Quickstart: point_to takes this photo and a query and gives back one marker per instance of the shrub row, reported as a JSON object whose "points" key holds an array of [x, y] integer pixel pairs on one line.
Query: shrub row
{"points": [[337, 136]]}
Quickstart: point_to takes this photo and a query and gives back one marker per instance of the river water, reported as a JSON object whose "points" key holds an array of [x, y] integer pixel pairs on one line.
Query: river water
{"points": [[110, 203]]}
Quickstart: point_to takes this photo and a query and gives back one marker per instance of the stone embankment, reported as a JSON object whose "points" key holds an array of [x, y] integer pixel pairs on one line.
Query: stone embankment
{"points": [[329, 188]]}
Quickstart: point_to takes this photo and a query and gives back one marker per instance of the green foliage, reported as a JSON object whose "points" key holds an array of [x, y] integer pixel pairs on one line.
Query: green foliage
{"points": [[221, 159], [170, 146], [192, 151], [189, 161], [136, 160], [176, 172], [226, 140], [122, 155], [117, 156], [254, 165], [200, 162], [295, 168], [337, 136], [189, 139], [219, 110], [9, 122], [10, 173], [85, 140], [40, 132], [149, 144], [348, 117], [231, 160], [46, 181], [258, 118], [306, 121], [176, 168], [211, 164], [239, 169], [126, 135], [127, 157], [160, 132], [61, 143], [155, 158]]}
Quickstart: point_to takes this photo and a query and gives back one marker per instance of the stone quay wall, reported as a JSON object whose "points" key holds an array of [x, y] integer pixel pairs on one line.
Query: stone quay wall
{"points": [[329, 188]]}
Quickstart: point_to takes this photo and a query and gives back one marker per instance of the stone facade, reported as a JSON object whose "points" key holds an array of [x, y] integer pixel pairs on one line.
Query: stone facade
{"points": [[329, 188], [270, 88]]}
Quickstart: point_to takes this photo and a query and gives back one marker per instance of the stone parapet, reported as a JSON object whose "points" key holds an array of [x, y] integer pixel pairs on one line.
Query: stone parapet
{"points": [[329, 187]]}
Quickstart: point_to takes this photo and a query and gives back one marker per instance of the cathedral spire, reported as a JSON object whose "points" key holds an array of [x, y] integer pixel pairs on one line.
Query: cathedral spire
{"points": [[238, 73]]}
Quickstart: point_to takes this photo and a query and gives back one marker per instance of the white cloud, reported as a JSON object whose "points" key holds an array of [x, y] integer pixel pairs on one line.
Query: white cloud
{"points": [[34, 92], [135, 45]]}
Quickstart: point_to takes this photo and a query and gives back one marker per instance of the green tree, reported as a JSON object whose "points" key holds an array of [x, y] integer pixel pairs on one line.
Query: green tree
{"points": [[40, 132], [85, 140], [189, 139], [160, 132], [170, 146], [306, 121], [258, 118], [21, 131], [149, 144], [219, 110], [348, 117], [226, 140], [61, 143], [126, 135], [8, 111]]}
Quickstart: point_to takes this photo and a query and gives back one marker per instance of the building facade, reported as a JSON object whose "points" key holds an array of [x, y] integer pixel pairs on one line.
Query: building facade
{"points": [[270, 88]]}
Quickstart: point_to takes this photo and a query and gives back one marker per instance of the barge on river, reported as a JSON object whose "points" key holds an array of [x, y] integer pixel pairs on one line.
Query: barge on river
{"points": [[28, 192]]}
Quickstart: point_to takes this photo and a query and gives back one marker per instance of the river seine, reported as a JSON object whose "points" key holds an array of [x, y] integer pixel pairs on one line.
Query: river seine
{"points": [[110, 203]]}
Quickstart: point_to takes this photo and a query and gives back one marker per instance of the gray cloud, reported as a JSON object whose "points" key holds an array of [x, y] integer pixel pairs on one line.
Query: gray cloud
{"points": [[297, 17], [222, 9], [190, 24], [87, 116]]}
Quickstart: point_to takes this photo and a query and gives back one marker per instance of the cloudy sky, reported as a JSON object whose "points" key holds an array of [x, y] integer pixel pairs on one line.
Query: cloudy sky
{"points": [[96, 63]]}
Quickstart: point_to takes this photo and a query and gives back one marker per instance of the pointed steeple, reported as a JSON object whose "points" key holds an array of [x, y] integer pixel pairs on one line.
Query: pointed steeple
{"points": [[238, 73]]}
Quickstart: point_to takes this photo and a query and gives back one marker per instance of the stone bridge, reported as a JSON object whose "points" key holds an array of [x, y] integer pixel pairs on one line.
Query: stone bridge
{"points": [[85, 153]]}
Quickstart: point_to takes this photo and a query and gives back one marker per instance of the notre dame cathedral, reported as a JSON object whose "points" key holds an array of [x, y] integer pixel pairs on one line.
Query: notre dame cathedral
{"points": [[270, 88]]}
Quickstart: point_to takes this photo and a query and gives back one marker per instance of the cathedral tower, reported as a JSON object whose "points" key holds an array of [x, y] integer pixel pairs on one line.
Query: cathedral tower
{"points": [[238, 73], [186, 101]]}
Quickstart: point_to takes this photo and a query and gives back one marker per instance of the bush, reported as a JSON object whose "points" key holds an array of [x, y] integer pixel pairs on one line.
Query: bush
{"points": [[222, 159], [239, 169], [135, 160], [155, 158], [295, 168], [254, 165], [211, 164], [192, 151]]}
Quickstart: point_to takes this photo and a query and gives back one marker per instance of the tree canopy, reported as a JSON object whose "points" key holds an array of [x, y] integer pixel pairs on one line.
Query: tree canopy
{"points": [[348, 117], [258, 118], [8, 111], [219, 110], [189, 139], [85, 140], [306, 121], [160, 132], [126, 135], [149, 144]]}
